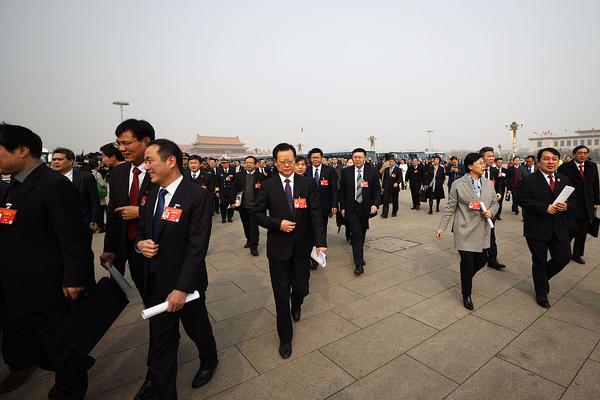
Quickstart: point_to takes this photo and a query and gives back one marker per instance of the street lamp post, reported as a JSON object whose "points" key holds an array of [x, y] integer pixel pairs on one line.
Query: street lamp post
{"points": [[429, 131], [121, 104], [513, 127]]}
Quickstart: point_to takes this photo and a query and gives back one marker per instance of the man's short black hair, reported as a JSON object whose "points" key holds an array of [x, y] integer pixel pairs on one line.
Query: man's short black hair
{"points": [[301, 159], [498, 159], [185, 155], [453, 158], [516, 157], [283, 147], [548, 149], [168, 148], [388, 156], [530, 156], [252, 157], [471, 158], [109, 150], [359, 150], [67, 152], [581, 146], [13, 136], [139, 128], [485, 149], [437, 156], [194, 157], [315, 150]]}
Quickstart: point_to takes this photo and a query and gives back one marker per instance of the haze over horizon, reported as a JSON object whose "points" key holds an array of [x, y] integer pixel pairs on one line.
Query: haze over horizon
{"points": [[341, 69]]}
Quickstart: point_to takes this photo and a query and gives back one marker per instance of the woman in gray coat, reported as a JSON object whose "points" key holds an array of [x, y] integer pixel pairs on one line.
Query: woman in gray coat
{"points": [[469, 196]]}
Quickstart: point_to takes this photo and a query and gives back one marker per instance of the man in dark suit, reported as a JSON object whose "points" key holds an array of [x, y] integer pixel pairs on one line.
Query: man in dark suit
{"points": [[128, 190], [530, 167], [500, 183], [173, 237], [414, 175], [360, 194], [487, 153], [327, 183], [199, 176], [249, 182], [225, 178], [453, 171], [294, 223], [214, 170], [62, 161], [391, 178], [583, 174], [44, 260], [337, 166], [545, 225], [513, 182]]}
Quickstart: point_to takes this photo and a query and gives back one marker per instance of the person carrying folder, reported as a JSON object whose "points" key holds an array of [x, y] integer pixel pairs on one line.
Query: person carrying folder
{"points": [[173, 237]]}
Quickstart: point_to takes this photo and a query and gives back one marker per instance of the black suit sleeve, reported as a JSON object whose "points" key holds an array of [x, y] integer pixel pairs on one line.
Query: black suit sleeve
{"points": [[316, 218], [333, 184], [91, 186], [112, 217], [259, 211], [342, 191], [376, 189], [527, 200], [64, 210]]}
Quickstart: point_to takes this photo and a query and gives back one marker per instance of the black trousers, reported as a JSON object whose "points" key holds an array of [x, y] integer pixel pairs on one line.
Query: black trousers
{"points": [[387, 197], [515, 200], [414, 194], [250, 227], [542, 268], [292, 274], [499, 213], [492, 252], [136, 267], [325, 222], [164, 341], [470, 263], [42, 347], [358, 228], [225, 201], [216, 203], [578, 229]]}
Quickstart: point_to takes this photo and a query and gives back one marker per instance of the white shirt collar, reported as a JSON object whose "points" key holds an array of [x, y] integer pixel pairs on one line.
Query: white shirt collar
{"points": [[283, 178], [361, 169], [70, 174], [547, 175], [141, 167], [578, 164], [173, 185], [251, 173]]}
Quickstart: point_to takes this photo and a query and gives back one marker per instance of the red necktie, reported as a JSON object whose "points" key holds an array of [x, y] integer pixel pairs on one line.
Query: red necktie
{"points": [[551, 182], [581, 170], [133, 201], [486, 173]]}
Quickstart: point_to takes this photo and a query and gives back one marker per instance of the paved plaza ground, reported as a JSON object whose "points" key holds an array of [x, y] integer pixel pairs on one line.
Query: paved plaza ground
{"points": [[397, 332]]}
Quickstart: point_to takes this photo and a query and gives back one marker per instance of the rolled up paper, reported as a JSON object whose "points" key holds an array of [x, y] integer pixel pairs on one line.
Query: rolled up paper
{"points": [[489, 220], [162, 307]]}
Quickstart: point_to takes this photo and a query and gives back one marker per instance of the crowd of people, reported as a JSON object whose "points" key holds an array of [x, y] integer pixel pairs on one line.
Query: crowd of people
{"points": [[156, 205]]}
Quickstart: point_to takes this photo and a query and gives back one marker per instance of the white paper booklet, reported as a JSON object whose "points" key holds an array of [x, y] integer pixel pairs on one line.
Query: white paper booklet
{"points": [[321, 258], [564, 195]]}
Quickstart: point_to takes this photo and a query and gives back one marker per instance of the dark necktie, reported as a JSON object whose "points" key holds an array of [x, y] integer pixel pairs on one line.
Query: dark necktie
{"points": [[581, 170], [551, 183], [194, 175], [486, 173], [359, 181], [160, 207], [317, 176], [133, 201], [289, 195]]}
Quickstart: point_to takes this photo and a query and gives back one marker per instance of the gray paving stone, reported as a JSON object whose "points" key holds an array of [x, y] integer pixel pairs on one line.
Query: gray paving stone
{"points": [[416, 267], [591, 282], [290, 381], [501, 380], [586, 385], [323, 300], [370, 284], [579, 308], [596, 354], [222, 290], [443, 309], [122, 338], [460, 350], [491, 283], [402, 378], [552, 349], [230, 307], [309, 334], [324, 278], [433, 283], [243, 327], [515, 309], [378, 306], [368, 349]]}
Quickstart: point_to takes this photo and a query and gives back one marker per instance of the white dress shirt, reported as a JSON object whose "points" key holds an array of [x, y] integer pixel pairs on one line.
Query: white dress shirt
{"points": [[291, 178], [170, 192], [317, 169], [140, 176], [578, 166], [547, 176], [70, 174]]}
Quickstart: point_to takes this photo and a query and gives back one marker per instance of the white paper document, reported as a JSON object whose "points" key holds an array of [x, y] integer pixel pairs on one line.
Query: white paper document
{"points": [[238, 200], [489, 220], [321, 258], [162, 307], [118, 278], [564, 195]]}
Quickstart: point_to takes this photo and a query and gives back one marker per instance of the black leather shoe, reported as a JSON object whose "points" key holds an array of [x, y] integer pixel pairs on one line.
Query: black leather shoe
{"points": [[383, 216], [15, 379], [359, 271], [203, 376], [579, 260], [296, 314], [429, 212], [468, 303], [254, 252], [413, 208], [246, 245], [52, 393], [393, 215], [229, 220], [498, 219], [285, 350], [145, 391], [223, 221], [495, 264], [542, 301]]}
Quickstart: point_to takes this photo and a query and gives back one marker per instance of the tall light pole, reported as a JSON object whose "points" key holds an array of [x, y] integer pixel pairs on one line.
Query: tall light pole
{"points": [[513, 127], [121, 104], [430, 131]]}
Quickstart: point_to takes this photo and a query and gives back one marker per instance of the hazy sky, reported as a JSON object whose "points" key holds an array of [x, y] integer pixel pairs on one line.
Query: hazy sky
{"points": [[260, 69]]}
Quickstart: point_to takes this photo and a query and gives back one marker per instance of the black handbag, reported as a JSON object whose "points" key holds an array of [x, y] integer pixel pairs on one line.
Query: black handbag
{"points": [[92, 314], [593, 228], [507, 197], [423, 196]]}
